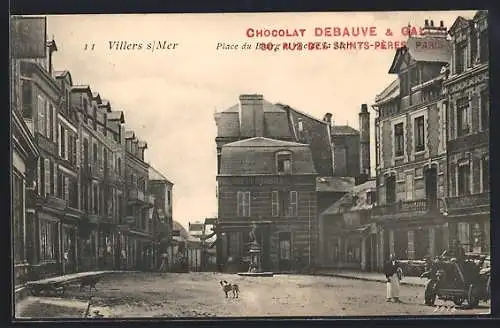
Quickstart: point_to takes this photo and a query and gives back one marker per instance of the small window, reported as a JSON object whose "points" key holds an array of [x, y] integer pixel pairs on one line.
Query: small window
{"points": [[370, 197], [275, 203], [464, 179], [284, 163], [463, 116], [293, 209], [419, 134], [399, 139], [485, 110], [461, 57], [243, 203]]}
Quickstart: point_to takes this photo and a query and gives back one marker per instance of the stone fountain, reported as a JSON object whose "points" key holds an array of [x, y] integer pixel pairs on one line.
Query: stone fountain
{"points": [[255, 252]]}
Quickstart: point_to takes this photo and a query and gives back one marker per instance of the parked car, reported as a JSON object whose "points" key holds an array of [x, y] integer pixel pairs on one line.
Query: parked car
{"points": [[458, 281]]}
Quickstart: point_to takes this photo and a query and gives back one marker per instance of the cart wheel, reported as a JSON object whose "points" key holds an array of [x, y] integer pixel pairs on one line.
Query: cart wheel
{"points": [[472, 298], [430, 293]]}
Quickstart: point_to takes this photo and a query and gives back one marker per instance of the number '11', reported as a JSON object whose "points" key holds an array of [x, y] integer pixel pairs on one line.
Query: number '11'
{"points": [[89, 47]]}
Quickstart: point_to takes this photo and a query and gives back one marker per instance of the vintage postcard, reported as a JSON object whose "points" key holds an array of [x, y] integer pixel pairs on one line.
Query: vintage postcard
{"points": [[250, 165]]}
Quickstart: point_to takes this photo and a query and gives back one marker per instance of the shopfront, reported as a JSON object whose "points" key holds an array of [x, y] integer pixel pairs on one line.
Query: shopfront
{"points": [[69, 248]]}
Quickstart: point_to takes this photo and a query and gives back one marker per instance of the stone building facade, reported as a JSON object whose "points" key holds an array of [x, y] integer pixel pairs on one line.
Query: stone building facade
{"points": [[467, 89], [270, 184], [139, 237], [411, 150]]}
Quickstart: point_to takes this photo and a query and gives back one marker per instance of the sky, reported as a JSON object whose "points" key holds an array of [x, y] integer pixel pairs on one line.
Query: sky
{"points": [[169, 97]]}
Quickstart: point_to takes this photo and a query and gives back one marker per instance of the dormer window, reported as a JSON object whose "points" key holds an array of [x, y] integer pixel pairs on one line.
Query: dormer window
{"points": [[284, 162]]}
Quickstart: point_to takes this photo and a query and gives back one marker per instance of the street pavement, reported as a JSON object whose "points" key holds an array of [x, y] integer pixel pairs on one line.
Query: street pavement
{"points": [[200, 295]]}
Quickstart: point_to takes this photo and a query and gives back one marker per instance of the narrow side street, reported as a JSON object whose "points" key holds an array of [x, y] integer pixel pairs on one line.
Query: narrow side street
{"points": [[200, 295]]}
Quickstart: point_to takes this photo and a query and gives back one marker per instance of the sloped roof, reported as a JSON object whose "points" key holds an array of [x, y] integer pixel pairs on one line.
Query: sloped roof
{"points": [[390, 92], [129, 134], [154, 174], [353, 200], [264, 142], [116, 116], [287, 107], [334, 184], [257, 156], [268, 107], [344, 130], [182, 231]]}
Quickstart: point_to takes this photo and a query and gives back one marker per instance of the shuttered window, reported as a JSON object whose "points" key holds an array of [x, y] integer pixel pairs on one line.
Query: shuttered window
{"points": [[293, 209], [243, 203], [275, 203], [41, 115], [47, 176]]}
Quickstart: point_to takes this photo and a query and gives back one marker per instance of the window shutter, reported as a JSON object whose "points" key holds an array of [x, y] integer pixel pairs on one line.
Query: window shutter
{"points": [[247, 195], [39, 175], [54, 122], [66, 188], [46, 166], [453, 181], [239, 203], [475, 113], [41, 113], [476, 175], [48, 116], [275, 203], [451, 121], [59, 140], [77, 151]]}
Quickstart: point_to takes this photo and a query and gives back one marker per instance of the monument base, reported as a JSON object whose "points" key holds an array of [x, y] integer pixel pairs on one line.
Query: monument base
{"points": [[256, 274]]}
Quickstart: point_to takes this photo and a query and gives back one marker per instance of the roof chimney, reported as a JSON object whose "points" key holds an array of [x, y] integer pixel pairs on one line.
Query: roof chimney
{"points": [[441, 24], [432, 23], [426, 23], [328, 118], [364, 151]]}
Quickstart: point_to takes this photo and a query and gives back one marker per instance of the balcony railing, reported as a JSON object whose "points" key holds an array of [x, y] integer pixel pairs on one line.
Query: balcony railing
{"points": [[468, 201], [417, 206]]}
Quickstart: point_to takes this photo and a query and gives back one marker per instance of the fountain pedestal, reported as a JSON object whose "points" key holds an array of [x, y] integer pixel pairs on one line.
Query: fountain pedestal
{"points": [[255, 267]]}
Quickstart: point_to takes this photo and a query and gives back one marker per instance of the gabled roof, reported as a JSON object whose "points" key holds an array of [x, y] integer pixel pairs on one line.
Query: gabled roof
{"points": [[441, 54], [353, 200], [154, 174], [97, 97], [460, 21], [116, 116], [264, 142], [286, 107], [334, 184], [62, 75], [129, 134], [390, 92], [82, 88], [344, 130]]}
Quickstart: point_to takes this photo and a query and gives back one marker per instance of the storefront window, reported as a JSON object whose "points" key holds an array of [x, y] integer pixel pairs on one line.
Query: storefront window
{"points": [[48, 240], [18, 216], [353, 250]]}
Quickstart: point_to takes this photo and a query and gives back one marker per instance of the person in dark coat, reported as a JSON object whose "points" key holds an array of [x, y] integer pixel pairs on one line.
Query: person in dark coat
{"points": [[393, 273]]}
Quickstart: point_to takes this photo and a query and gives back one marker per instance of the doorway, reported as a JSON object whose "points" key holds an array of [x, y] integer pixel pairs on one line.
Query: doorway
{"points": [[285, 251], [431, 187]]}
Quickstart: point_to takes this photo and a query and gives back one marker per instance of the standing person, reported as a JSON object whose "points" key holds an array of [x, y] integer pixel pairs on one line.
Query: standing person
{"points": [[124, 259], [393, 273], [164, 262]]}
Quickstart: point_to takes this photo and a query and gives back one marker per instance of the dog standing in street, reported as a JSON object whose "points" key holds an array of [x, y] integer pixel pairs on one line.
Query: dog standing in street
{"points": [[227, 287]]}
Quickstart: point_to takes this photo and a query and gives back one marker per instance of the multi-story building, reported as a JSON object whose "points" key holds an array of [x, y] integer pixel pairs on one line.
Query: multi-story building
{"points": [[139, 236], [68, 172], [161, 188], [101, 183], [467, 88], [411, 149], [23, 176], [270, 184], [55, 215]]}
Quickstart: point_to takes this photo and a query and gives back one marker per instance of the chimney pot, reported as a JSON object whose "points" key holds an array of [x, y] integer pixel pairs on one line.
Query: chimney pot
{"points": [[426, 22], [364, 108], [441, 23], [432, 23]]}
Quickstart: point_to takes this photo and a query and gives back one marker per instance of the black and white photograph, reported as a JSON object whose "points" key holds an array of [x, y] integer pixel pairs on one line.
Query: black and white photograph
{"points": [[315, 164]]}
